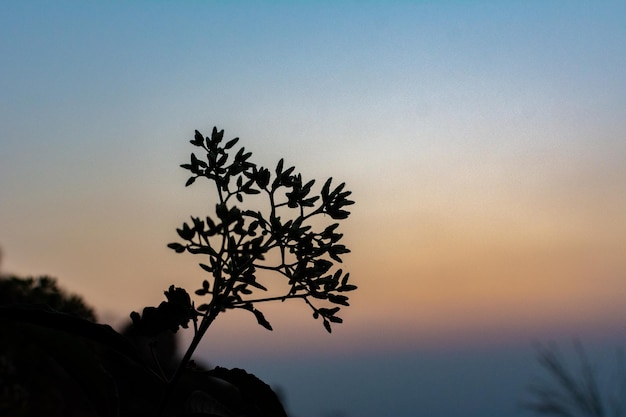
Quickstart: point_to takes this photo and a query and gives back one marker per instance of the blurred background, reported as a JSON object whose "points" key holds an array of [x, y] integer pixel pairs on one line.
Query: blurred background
{"points": [[484, 142]]}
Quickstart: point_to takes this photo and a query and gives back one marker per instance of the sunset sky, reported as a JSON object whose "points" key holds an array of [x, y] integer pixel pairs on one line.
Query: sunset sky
{"points": [[484, 142]]}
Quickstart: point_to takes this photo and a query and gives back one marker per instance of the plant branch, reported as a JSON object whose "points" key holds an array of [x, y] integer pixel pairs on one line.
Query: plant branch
{"points": [[262, 300]]}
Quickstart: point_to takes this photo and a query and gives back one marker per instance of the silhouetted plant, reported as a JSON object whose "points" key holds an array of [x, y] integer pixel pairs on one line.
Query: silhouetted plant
{"points": [[281, 239], [571, 394], [238, 243]]}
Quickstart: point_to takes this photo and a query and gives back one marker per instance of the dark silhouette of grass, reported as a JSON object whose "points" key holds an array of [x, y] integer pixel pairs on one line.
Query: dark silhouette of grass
{"points": [[576, 391]]}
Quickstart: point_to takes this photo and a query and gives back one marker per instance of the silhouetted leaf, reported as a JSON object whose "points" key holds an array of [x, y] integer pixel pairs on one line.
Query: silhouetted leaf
{"points": [[256, 285], [177, 247], [279, 167], [260, 318], [202, 250], [231, 143], [326, 312], [245, 291], [338, 299], [177, 311], [216, 136], [327, 326], [326, 188], [186, 232], [344, 281], [198, 139]]}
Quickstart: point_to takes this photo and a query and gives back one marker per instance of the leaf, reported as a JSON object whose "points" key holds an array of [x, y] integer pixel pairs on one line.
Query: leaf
{"points": [[206, 268], [320, 295], [307, 187], [339, 214], [344, 281], [178, 297], [309, 202], [327, 326], [321, 266], [264, 177], [190, 181], [279, 167], [216, 137], [198, 139], [177, 311], [222, 160], [177, 247], [231, 143], [336, 250], [326, 312], [329, 231], [256, 285], [203, 249], [186, 232], [326, 188], [260, 318], [338, 299], [337, 275], [251, 191], [348, 287], [288, 172]]}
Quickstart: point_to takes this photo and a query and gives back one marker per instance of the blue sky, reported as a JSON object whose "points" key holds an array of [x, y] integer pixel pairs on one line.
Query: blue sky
{"points": [[483, 141]]}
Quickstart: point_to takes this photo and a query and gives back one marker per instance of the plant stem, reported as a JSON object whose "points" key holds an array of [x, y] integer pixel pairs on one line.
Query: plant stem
{"points": [[171, 386], [262, 300]]}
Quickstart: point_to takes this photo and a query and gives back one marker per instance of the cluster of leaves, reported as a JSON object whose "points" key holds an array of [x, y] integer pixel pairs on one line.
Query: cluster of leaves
{"points": [[176, 312], [283, 238], [239, 243]]}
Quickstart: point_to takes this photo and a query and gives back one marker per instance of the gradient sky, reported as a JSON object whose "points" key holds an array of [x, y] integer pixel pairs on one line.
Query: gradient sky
{"points": [[484, 142]]}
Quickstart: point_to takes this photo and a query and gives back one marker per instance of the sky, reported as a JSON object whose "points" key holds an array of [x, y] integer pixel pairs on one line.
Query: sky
{"points": [[484, 143]]}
